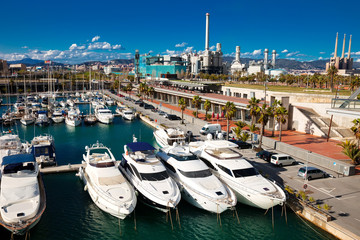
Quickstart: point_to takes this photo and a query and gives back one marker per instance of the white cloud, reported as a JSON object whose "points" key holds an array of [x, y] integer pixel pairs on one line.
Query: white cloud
{"points": [[285, 51], [188, 49], [355, 53], [99, 45], [170, 52], [25, 47], [357, 60], [256, 52], [151, 51], [183, 44], [212, 48], [320, 58], [94, 39], [117, 47], [322, 52], [292, 54]]}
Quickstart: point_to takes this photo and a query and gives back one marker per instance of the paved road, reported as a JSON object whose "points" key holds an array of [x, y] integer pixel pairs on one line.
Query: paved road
{"points": [[341, 193]]}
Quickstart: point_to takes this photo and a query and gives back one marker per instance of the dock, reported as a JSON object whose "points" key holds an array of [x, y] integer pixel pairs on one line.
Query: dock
{"points": [[62, 168]]}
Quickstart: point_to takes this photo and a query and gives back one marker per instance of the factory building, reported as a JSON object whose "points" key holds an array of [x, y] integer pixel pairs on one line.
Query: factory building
{"points": [[156, 66], [343, 64], [262, 65], [236, 66], [206, 61]]}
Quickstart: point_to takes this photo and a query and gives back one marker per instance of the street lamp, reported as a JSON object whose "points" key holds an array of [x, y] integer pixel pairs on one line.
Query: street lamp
{"points": [[307, 163]]}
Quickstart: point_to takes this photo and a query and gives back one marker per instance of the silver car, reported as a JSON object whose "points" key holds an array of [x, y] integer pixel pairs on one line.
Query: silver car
{"points": [[311, 173]]}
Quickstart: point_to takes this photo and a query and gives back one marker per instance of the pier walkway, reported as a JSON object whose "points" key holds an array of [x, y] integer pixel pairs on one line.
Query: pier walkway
{"points": [[61, 168]]}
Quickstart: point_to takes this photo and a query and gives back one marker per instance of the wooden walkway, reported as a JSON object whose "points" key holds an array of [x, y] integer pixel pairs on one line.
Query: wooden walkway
{"points": [[62, 168]]}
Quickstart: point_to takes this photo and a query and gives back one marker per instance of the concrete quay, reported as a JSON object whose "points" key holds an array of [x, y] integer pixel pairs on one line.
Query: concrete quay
{"points": [[61, 168]]}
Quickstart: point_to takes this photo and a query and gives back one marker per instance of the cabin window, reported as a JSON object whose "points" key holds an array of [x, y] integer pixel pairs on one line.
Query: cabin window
{"points": [[247, 172], [183, 157], [135, 171], [197, 174], [168, 166], [208, 163], [158, 176], [228, 171]]}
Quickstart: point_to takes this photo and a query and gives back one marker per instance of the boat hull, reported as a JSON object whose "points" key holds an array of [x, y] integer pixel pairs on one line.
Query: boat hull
{"points": [[27, 121]]}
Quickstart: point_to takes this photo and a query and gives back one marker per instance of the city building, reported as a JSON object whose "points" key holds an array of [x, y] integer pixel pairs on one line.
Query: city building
{"points": [[14, 68], [3, 68], [154, 66], [262, 65], [236, 66], [343, 64], [112, 69]]}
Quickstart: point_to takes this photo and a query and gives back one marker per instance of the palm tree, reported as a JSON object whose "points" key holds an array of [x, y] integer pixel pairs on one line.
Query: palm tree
{"points": [[265, 113], [230, 111], [197, 103], [207, 106], [241, 124], [281, 117], [332, 71], [254, 108], [143, 88], [182, 105], [129, 88], [275, 105], [150, 92], [356, 130], [351, 150]]}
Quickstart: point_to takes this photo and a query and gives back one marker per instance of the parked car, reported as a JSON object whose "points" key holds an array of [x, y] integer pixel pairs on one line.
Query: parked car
{"points": [[127, 98], [138, 102], [282, 160], [142, 104], [311, 173], [120, 95], [266, 155], [241, 144], [149, 106], [161, 113], [173, 117]]}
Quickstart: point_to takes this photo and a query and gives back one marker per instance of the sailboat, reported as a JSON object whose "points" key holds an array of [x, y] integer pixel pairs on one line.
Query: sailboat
{"points": [[90, 119]]}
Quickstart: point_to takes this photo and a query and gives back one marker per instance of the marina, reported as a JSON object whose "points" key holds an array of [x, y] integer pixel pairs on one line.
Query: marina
{"points": [[71, 214]]}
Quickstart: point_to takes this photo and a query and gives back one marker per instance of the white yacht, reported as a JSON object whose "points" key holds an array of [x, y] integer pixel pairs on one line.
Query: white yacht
{"points": [[10, 144], [43, 149], [128, 114], [42, 119], [198, 185], [103, 114], [73, 118], [107, 187], [22, 197], [147, 174], [166, 137], [27, 119], [228, 164], [57, 116]]}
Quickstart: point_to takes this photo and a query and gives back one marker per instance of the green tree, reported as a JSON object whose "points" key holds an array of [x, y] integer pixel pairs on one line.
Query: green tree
{"points": [[274, 107], [281, 117], [182, 105], [254, 108], [230, 111], [197, 103], [332, 71], [207, 106], [265, 114], [356, 129], [351, 150], [151, 92]]}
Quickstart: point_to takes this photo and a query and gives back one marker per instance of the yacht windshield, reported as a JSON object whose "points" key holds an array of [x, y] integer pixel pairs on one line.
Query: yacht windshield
{"points": [[246, 172], [183, 157], [197, 174], [154, 176], [223, 153]]}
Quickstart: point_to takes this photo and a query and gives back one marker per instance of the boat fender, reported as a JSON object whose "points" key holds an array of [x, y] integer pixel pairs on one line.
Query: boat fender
{"points": [[85, 188]]}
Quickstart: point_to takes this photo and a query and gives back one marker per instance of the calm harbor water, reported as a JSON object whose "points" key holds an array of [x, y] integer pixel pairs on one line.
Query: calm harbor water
{"points": [[71, 214]]}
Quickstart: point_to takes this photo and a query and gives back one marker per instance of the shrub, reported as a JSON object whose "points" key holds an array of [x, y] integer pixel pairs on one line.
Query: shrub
{"points": [[208, 117], [194, 113], [311, 199]]}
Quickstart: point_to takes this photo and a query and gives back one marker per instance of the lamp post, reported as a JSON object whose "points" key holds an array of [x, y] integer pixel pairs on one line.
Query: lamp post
{"points": [[307, 163]]}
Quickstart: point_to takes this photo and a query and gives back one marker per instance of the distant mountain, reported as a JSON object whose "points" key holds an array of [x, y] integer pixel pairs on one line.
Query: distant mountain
{"points": [[31, 62], [292, 64]]}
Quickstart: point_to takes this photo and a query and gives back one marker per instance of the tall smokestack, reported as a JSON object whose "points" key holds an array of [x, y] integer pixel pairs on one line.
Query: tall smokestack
{"points": [[207, 32], [349, 53], [218, 47], [343, 49], [237, 55], [273, 58], [336, 43], [266, 56]]}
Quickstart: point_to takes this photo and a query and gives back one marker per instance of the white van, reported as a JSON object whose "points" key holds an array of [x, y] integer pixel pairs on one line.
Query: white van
{"points": [[282, 160], [210, 128]]}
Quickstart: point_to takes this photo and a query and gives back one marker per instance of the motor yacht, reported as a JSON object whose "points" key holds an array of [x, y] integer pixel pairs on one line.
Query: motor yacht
{"points": [[22, 194], [233, 169], [43, 149], [105, 184], [58, 116], [27, 119], [103, 114], [73, 118], [166, 137], [10, 144], [198, 185], [148, 175], [42, 119], [128, 114]]}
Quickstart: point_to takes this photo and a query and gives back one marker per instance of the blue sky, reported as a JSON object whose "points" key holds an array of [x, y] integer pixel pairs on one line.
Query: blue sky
{"points": [[76, 31]]}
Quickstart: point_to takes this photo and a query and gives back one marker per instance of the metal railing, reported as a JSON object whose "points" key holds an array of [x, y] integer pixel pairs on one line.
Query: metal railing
{"points": [[346, 104]]}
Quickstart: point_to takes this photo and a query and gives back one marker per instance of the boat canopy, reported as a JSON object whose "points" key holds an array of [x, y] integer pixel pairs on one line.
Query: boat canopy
{"points": [[139, 146], [18, 158]]}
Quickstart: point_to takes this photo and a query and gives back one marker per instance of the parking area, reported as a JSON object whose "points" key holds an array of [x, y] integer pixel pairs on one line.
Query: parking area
{"points": [[340, 193]]}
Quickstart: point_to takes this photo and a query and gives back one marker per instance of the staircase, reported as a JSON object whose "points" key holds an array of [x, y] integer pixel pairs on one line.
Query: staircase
{"points": [[352, 97], [323, 124]]}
